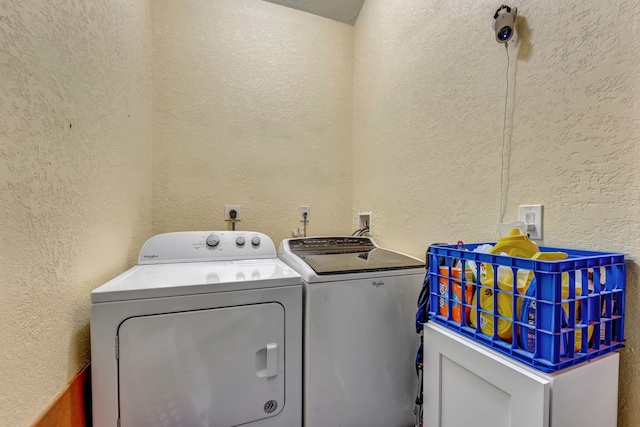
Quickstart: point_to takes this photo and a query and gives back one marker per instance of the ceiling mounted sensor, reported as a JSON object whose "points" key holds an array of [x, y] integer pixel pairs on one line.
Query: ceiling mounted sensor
{"points": [[504, 23], [346, 11]]}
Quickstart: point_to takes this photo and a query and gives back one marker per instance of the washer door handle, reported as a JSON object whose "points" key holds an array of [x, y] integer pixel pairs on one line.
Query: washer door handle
{"points": [[272, 360]]}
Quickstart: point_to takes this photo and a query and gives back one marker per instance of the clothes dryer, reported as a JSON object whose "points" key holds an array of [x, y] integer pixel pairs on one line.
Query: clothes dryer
{"points": [[204, 331], [359, 331]]}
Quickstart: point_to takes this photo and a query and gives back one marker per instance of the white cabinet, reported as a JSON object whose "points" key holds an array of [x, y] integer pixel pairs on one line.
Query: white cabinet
{"points": [[468, 384]]}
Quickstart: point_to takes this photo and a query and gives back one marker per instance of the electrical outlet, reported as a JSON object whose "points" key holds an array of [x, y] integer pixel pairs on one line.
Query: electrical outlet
{"points": [[303, 210], [364, 221], [531, 215], [229, 208]]}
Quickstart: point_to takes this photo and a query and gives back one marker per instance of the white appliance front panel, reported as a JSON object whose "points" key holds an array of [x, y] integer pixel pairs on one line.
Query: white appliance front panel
{"points": [[210, 368], [360, 347], [468, 385]]}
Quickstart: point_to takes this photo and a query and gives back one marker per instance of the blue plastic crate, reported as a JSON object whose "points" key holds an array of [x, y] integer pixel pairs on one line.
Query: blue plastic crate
{"points": [[560, 313]]}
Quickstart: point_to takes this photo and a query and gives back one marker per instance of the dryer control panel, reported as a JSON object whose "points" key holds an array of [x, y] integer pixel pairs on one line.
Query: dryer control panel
{"points": [[202, 246]]}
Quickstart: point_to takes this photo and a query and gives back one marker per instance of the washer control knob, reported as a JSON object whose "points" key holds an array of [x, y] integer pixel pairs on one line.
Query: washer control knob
{"points": [[240, 241], [255, 241], [213, 240]]}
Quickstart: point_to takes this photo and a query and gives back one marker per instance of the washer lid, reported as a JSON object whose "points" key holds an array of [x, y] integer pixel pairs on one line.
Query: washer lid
{"points": [[344, 255], [357, 262], [169, 280]]}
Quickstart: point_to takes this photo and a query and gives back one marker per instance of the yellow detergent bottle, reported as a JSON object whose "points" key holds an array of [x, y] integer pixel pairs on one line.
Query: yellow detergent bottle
{"points": [[505, 308], [515, 245], [565, 307]]}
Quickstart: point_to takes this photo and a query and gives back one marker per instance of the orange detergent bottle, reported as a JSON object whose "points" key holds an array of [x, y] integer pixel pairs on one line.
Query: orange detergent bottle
{"points": [[456, 294]]}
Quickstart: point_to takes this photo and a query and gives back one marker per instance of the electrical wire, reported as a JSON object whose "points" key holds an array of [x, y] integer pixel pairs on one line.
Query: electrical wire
{"points": [[504, 137], [360, 231], [233, 214], [304, 215]]}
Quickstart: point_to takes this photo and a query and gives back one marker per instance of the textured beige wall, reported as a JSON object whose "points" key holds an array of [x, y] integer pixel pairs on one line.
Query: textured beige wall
{"points": [[252, 106], [429, 93], [75, 176]]}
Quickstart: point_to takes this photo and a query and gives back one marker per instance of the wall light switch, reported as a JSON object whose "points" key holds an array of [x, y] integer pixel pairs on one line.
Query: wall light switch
{"points": [[531, 215]]}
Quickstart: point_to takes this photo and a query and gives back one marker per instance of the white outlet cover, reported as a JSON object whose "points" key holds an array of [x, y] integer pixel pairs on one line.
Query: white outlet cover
{"points": [[304, 209], [229, 208], [531, 215], [364, 218]]}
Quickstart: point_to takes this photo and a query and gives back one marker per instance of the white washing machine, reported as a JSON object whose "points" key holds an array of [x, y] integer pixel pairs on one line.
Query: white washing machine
{"points": [[204, 331], [359, 332]]}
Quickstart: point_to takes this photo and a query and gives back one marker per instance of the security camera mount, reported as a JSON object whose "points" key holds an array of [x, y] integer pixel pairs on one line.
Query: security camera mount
{"points": [[504, 23], [503, 7]]}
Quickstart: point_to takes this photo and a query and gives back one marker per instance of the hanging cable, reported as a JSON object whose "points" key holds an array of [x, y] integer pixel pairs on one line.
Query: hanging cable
{"points": [[363, 231], [504, 137], [233, 214], [304, 215]]}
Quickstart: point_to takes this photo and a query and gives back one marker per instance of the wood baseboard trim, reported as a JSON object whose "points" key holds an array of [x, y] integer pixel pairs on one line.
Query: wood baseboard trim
{"points": [[72, 408]]}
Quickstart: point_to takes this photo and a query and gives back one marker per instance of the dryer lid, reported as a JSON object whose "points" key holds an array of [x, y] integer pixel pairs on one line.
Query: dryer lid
{"points": [[169, 280], [199, 262]]}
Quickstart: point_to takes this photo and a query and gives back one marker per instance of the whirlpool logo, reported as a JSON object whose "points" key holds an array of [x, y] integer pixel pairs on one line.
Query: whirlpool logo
{"points": [[378, 283], [151, 256]]}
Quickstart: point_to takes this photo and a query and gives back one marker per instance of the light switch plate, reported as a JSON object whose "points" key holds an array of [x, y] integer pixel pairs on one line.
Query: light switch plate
{"points": [[531, 215]]}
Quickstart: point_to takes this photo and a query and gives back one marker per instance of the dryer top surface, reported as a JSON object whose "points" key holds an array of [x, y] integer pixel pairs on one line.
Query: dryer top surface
{"points": [[170, 280], [199, 262]]}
